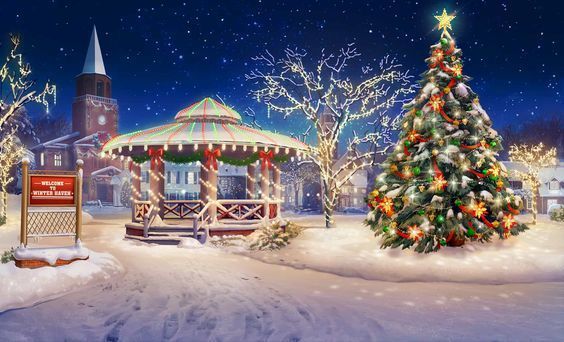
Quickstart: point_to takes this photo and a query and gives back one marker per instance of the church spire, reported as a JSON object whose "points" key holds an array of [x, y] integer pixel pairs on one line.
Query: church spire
{"points": [[94, 64]]}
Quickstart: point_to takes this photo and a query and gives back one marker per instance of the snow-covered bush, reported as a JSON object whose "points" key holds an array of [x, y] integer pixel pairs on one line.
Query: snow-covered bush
{"points": [[557, 214], [7, 256], [293, 229], [2, 220], [269, 238]]}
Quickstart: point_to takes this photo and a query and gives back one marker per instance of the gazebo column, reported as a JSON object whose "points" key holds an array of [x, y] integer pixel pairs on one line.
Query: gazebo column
{"points": [[157, 184], [265, 188], [203, 184], [251, 181], [276, 179], [212, 193], [135, 181]]}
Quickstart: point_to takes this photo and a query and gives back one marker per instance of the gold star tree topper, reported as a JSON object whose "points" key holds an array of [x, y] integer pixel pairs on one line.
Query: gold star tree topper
{"points": [[444, 20]]}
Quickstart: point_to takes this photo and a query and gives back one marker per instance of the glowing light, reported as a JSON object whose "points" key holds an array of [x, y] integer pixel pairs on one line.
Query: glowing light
{"points": [[444, 21]]}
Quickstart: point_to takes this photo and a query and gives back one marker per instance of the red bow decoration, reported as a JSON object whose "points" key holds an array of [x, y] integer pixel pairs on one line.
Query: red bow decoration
{"points": [[266, 158], [211, 158], [156, 155]]}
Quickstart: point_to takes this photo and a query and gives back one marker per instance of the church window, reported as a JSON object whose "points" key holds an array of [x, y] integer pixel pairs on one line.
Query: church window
{"points": [[58, 160], [100, 88]]}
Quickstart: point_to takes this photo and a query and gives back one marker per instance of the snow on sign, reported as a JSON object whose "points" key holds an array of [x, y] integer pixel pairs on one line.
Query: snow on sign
{"points": [[52, 190]]}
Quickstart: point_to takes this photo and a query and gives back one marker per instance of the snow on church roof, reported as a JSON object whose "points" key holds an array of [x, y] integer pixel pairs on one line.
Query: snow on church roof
{"points": [[94, 64]]}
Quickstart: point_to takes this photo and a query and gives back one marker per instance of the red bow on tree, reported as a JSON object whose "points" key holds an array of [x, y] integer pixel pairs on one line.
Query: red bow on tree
{"points": [[156, 155], [211, 158], [266, 159]]}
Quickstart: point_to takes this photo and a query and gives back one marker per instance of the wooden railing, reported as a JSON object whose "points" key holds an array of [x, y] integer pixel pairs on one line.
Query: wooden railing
{"points": [[181, 209], [241, 210], [201, 221], [139, 209]]}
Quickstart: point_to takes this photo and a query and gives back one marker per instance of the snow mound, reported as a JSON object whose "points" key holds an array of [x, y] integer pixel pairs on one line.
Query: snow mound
{"points": [[20, 287], [51, 254], [190, 243], [351, 250]]}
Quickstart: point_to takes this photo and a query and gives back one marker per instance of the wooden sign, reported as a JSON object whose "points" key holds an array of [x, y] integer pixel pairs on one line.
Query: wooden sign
{"points": [[52, 190]]}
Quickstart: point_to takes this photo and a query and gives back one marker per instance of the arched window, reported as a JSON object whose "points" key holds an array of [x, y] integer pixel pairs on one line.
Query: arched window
{"points": [[100, 88], [554, 184]]}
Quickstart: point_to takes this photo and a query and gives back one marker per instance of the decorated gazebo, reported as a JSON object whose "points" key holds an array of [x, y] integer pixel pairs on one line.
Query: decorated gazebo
{"points": [[206, 134]]}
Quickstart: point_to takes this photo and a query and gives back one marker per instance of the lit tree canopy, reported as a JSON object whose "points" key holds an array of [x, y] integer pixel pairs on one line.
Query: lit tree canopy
{"points": [[442, 184], [534, 158], [15, 75], [330, 99]]}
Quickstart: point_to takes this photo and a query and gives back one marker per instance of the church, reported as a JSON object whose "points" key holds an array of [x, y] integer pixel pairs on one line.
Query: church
{"points": [[94, 121]]}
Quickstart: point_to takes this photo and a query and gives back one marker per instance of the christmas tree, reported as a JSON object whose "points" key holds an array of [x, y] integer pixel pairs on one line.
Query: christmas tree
{"points": [[442, 184]]}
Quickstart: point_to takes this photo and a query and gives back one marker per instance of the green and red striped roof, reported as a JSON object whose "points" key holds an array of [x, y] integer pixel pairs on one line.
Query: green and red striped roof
{"points": [[205, 122]]}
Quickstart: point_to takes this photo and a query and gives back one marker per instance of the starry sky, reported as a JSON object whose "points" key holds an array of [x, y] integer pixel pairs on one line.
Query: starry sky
{"points": [[164, 55]]}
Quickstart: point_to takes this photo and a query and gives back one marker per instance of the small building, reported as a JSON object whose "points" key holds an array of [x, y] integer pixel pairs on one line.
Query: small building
{"points": [[551, 189]]}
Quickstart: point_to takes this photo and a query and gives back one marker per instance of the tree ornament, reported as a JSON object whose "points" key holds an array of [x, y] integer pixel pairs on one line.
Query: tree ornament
{"points": [[493, 143], [387, 206], [393, 167], [435, 152], [431, 217], [458, 203], [433, 131], [416, 170], [421, 212], [499, 183], [470, 232], [446, 90], [407, 143], [414, 232], [495, 223], [444, 23], [441, 142], [464, 121], [440, 219], [476, 100], [436, 102], [479, 209], [508, 221], [439, 183], [459, 77], [419, 112], [456, 122], [443, 242], [385, 229], [444, 42], [429, 179], [456, 142], [421, 188]]}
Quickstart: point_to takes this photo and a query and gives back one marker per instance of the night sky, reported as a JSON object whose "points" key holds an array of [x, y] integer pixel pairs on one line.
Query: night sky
{"points": [[163, 56]]}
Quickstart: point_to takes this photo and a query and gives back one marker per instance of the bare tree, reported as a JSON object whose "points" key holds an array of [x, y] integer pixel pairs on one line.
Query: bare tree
{"points": [[15, 76], [331, 101]]}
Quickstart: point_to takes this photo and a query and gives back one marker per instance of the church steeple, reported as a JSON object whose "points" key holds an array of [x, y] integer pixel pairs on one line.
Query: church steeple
{"points": [[94, 63]]}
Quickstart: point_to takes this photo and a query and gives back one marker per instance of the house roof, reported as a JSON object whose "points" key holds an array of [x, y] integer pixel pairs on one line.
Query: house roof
{"points": [[207, 109], [94, 63], [105, 170], [57, 142]]}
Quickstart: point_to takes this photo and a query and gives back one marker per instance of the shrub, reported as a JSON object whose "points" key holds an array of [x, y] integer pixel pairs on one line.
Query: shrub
{"points": [[557, 214], [8, 256], [293, 229], [269, 238], [2, 220]]}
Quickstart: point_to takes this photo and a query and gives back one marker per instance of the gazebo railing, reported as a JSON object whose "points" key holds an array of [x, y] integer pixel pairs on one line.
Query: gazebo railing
{"points": [[181, 209], [241, 210], [139, 209]]}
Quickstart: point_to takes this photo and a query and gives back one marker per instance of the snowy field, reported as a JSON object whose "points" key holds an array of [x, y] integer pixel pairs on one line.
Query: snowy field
{"points": [[353, 251], [323, 287]]}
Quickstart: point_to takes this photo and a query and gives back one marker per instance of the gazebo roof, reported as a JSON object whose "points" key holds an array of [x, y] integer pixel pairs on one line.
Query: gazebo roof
{"points": [[205, 122], [207, 109]]}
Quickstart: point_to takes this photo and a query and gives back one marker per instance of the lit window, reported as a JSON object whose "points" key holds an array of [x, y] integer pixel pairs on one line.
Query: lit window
{"points": [[177, 177], [191, 179], [58, 161], [42, 158], [168, 177]]}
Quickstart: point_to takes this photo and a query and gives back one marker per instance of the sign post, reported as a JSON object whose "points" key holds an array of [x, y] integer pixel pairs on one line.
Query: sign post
{"points": [[47, 197]]}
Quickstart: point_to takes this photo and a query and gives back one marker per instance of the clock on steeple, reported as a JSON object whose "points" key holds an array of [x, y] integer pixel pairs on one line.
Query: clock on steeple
{"points": [[93, 109]]}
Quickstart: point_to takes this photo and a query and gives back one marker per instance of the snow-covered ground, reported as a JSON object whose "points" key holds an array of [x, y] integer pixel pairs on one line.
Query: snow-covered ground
{"points": [[351, 250], [203, 294]]}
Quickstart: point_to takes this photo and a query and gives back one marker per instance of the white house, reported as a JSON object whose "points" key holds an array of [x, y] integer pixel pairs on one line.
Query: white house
{"points": [[551, 190]]}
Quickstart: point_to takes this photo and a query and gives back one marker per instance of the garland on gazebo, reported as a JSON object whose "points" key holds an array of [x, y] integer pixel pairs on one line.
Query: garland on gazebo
{"points": [[200, 156]]}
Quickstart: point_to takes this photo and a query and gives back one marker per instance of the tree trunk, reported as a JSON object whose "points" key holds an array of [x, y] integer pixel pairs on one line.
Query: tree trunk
{"points": [[328, 203], [534, 200]]}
